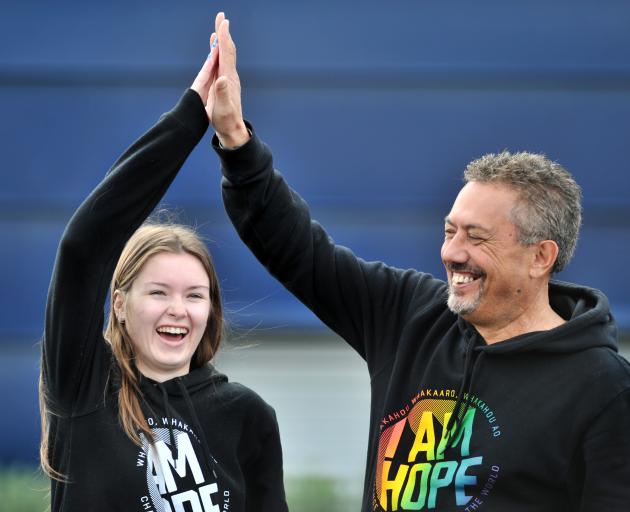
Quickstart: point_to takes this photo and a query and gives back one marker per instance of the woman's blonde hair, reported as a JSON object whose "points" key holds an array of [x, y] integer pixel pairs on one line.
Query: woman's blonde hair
{"points": [[150, 239]]}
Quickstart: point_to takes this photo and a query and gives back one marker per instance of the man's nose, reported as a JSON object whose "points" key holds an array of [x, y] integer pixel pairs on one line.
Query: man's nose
{"points": [[454, 250]]}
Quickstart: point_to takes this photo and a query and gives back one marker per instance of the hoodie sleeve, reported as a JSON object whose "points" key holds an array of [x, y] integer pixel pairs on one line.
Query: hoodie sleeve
{"points": [[263, 473], [363, 302], [607, 459], [75, 360]]}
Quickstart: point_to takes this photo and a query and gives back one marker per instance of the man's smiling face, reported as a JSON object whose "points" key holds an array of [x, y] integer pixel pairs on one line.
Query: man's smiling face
{"points": [[488, 269]]}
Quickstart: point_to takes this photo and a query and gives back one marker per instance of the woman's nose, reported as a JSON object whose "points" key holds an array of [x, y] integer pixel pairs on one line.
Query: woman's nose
{"points": [[176, 308]]}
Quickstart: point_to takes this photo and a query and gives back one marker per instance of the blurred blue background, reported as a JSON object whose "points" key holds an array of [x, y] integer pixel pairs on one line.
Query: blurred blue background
{"points": [[372, 109]]}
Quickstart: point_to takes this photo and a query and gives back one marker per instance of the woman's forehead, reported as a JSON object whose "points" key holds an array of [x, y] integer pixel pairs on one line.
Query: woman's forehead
{"points": [[168, 268]]}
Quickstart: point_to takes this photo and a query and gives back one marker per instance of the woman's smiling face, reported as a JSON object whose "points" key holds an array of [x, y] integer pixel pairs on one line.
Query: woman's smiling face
{"points": [[165, 313]]}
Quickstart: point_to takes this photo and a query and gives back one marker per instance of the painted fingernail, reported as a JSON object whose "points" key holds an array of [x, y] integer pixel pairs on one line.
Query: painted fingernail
{"points": [[213, 46]]}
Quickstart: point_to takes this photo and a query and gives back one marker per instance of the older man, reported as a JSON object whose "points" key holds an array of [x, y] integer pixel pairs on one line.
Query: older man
{"points": [[498, 390]]}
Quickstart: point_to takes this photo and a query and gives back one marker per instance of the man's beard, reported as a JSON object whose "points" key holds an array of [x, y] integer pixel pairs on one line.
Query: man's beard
{"points": [[462, 305]]}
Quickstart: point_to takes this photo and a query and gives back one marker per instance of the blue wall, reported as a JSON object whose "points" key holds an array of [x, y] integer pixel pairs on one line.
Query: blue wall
{"points": [[372, 110]]}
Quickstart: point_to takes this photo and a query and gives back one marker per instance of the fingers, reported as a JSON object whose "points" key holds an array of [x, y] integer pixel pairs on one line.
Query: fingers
{"points": [[213, 56], [227, 53], [207, 73], [202, 81], [224, 99], [218, 20]]}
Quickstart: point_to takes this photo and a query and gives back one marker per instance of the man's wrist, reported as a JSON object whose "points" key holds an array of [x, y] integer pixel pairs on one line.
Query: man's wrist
{"points": [[236, 139]]}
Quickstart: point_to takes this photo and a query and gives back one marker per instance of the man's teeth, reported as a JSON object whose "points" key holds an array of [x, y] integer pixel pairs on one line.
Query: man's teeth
{"points": [[173, 330], [462, 279]]}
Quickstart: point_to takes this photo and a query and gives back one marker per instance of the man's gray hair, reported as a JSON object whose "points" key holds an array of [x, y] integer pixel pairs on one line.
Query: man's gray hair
{"points": [[550, 200]]}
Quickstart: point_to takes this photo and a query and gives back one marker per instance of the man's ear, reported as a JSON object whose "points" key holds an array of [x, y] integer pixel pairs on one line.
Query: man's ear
{"points": [[544, 258], [119, 305]]}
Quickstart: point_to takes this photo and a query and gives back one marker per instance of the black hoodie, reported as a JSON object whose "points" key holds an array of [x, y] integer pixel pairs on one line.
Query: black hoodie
{"points": [[217, 445], [535, 423]]}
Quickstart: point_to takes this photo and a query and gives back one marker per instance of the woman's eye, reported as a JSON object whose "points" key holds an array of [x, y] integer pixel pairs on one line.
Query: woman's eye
{"points": [[157, 292], [196, 296]]}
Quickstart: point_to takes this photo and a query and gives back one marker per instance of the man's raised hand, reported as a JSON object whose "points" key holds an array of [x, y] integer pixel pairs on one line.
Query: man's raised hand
{"points": [[219, 87]]}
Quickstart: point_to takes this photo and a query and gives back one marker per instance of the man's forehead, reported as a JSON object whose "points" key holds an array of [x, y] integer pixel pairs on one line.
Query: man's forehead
{"points": [[482, 205]]}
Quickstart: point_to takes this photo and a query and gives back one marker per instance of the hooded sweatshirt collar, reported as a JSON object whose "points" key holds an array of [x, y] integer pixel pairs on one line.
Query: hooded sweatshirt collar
{"points": [[183, 387], [193, 381], [589, 323]]}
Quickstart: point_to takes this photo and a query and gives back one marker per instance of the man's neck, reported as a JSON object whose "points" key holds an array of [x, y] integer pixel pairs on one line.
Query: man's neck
{"points": [[538, 316]]}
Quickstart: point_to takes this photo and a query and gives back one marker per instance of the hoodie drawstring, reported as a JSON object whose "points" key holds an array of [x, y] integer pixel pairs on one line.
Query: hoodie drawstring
{"points": [[460, 391], [197, 424], [455, 422], [169, 413]]}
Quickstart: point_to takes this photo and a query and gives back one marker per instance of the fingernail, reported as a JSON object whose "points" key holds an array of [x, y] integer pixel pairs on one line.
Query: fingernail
{"points": [[213, 46]]}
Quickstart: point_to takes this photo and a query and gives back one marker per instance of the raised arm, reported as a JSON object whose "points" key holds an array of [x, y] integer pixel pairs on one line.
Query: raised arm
{"points": [[75, 360], [361, 301]]}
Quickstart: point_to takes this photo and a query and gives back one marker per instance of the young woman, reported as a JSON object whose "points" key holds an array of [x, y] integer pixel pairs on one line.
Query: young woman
{"points": [[136, 419]]}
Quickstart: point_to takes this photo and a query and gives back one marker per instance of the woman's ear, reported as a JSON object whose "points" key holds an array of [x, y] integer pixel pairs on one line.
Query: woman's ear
{"points": [[119, 305]]}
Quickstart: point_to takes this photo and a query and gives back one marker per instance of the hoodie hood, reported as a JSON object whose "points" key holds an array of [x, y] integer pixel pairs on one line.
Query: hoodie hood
{"points": [[193, 381], [589, 324], [182, 389]]}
